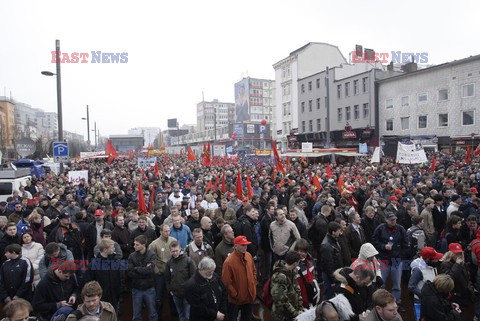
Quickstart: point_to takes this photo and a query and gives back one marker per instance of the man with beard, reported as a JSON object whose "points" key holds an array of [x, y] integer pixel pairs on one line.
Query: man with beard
{"points": [[424, 269]]}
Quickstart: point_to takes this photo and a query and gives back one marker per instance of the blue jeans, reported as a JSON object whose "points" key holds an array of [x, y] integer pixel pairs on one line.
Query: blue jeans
{"points": [[395, 270], [159, 290], [144, 296], [183, 308], [245, 309]]}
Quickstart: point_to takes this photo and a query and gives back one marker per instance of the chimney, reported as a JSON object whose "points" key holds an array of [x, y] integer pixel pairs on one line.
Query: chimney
{"points": [[369, 55], [410, 67], [358, 50], [390, 66]]}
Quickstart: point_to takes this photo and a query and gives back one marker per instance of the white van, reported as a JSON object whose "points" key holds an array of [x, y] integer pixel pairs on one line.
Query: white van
{"points": [[11, 180]]}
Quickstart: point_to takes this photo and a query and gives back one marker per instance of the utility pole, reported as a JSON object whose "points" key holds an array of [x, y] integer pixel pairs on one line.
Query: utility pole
{"points": [[88, 128]]}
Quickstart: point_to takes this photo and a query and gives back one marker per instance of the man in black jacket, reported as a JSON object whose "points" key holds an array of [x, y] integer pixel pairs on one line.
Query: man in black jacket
{"points": [[246, 226], [330, 257], [16, 275], [93, 232], [141, 268], [10, 237]]}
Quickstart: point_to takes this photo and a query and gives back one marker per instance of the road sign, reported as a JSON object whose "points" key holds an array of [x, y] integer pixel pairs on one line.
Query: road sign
{"points": [[60, 152]]}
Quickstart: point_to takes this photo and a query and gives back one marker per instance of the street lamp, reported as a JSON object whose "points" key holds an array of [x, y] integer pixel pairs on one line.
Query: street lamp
{"points": [[88, 127], [95, 130], [59, 94]]}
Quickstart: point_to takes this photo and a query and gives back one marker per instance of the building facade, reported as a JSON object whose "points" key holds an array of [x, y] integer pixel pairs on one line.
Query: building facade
{"points": [[437, 106], [254, 99], [149, 133], [211, 112], [7, 127], [124, 143]]}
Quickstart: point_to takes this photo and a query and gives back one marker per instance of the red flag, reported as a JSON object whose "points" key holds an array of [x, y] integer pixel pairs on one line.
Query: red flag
{"points": [[434, 164], [340, 184], [224, 184], [156, 173], [191, 155], [209, 159], [469, 155], [316, 183], [111, 152], [273, 175], [142, 207], [209, 186], [278, 163], [477, 151], [249, 187], [239, 188], [288, 162], [329, 171], [151, 205], [217, 182]]}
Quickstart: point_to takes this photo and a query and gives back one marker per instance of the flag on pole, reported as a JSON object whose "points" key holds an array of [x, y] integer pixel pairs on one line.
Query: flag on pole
{"points": [[217, 182], [328, 171], [341, 184], [191, 155], [477, 151], [151, 203], [156, 172], [434, 164], [111, 152], [469, 155], [209, 186], [278, 163], [142, 207], [316, 183], [249, 187], [239, 188]]}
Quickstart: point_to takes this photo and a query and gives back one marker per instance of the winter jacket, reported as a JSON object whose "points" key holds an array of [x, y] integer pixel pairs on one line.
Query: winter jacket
{"points": [[435, 306], [286, 293], [141, 268], [161, 248], [91, 237], [50, 291], [265, 230], [34, 252], [463, 290], [228, 215], [16, 278], [197, 253], [343, 307], [222, 251], [148, 232], [354, 239], [45, 261], [107, 312], [356, 295], [383, 234], [367, 250], [330, 257], [5, 241], [70, 236], [305, 278], [369, 226], [122, 237], [179, 270], [283, 236], [206, 297], [183, 235], [246, 226], [240, 278], [108, 278], [320, 227]]}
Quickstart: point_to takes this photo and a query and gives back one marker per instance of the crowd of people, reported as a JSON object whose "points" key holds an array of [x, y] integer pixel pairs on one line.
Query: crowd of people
{"points": [[317, 241]]}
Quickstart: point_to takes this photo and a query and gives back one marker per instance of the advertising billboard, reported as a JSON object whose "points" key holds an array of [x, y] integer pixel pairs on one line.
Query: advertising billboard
{"points": [[241, 101]]}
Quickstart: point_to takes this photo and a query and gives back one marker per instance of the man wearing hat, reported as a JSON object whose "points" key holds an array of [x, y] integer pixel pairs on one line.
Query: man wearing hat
{"points": [[424, 269], [393, 206], [92, 237], [239, 277], [3, 209], [391, 241]]}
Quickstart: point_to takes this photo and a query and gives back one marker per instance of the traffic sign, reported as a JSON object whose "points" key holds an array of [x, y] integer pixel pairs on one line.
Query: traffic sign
{"points": [[60, 152]]}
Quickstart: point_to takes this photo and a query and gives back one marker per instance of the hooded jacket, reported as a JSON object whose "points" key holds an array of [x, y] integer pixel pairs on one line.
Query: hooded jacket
{"points": [[286, 293], [367, 250], [344, 310]]}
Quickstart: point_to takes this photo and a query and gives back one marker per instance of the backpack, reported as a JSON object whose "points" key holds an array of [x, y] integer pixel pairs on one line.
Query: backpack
{"points": [[267, 295], [413, 242]]}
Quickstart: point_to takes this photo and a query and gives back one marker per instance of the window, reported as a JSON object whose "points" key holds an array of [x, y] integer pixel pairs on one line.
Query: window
{"points": [[319, 124], [309, 86], [468, 118], [389, 103], [468, 90], [347, 113], [339, 91], [365, 84], [405, 123], [6, 188], [356, 112], [443, 94], [339, 114], [310, 125], [405, 101], [422, 98], [318, 82], [303, 88], [347, 89], [355, 87], [303, 107], [284, 109], [365, 110], [303, 126], [318, 103], [443, 120], [389, 125], [422, 121]]}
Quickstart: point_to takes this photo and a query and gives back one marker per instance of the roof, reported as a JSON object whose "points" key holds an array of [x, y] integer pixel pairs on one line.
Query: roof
{"points": [[434, 68], [293, 53]]}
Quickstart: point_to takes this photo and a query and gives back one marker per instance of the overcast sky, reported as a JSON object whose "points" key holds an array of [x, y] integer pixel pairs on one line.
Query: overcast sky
{"points": [[177, 49]]}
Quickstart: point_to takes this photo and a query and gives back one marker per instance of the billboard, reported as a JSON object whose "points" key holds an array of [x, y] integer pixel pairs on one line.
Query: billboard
{"points": [[238, 129], [241, 101], [172, 123]]}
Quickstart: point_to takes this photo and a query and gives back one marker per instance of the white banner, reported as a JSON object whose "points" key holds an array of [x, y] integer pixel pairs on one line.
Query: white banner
{"points": [[410, 154], [307, 147], [146, 163], [362, 148], [92, 154], [76, 176], [219, 150], [376, 155]]}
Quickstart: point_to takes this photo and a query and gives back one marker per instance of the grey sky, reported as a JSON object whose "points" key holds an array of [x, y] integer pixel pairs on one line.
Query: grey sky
{"points": [[177, 49]]}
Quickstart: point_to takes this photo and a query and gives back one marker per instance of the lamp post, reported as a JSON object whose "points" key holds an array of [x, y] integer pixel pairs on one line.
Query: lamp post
{"points": [[59, 94], [95, 130], [88, 127]]}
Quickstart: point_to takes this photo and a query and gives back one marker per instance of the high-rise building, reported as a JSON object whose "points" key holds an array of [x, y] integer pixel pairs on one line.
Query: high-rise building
{"points": [[211, 112], [7, 127], [254, 100], [149, 133]]}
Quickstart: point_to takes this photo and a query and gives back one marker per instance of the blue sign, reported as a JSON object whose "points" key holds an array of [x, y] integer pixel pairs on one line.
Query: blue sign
{"points": [[60, 149]]}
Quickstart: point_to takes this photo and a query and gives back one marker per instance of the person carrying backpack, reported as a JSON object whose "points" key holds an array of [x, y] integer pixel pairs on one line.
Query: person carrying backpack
{"points": [[416, 236]]}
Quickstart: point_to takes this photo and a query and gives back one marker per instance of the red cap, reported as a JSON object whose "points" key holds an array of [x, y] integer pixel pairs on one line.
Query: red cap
{"points": [[430, 253], [474, 190], [242, 240], [98, 213], [399, 191], [449, 182], [393, 198], [455, 248], [36, 198]]}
